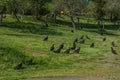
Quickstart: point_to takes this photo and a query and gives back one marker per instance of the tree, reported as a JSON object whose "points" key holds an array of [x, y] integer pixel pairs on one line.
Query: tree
{"points": [[112, 9], [14, 8], [38, 7], [98, 9], [70, 8], [2, 10]]}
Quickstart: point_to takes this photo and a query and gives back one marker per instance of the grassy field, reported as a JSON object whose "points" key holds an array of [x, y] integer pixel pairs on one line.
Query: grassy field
{"points": [[20, 42]]}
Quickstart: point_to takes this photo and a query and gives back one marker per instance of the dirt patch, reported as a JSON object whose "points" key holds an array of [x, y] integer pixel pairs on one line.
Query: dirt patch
{"points": [[39, 54]]}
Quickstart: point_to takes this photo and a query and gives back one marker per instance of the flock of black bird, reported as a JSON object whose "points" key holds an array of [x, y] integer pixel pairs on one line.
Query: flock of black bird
{"points": [[73, 47], [67, 51], [82, 41]]}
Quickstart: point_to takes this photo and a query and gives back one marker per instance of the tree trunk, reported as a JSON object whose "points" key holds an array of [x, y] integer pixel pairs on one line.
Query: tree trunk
{"points": [[118, 25], [12, 13], [1, 18], [17, 17], [73, 23], [78, 23], [23, 12], [37, 15], [111, 17], [103, 23], [46, 21], [54, 18], [99, 24]]}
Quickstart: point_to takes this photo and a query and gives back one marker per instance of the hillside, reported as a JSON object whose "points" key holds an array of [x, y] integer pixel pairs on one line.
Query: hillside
{"points": [[20, 42]]}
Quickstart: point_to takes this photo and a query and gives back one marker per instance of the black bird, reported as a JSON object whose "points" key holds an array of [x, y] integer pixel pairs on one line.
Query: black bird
{"points": [[77, 50], [29, 62], [74, 46], [67, 51], [19, 66], [113, 51], [58, 50], [76, 40], [82, 37], [61, 46], [82, 41], [113, 44], [92, 45], [87, 36], [72, 31], [104, 39], [52, 48], [46, 38]]}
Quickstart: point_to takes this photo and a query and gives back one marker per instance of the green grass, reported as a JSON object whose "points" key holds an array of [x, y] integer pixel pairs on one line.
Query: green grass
{"points": [[23, 41]]}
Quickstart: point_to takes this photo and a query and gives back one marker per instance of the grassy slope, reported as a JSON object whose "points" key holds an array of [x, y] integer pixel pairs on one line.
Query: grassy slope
{"points": [[23, 41]]}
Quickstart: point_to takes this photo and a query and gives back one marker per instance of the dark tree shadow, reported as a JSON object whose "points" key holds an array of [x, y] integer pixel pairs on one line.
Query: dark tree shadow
{"points": [[94, 26], [32, 28], [27, 27], [104, 33], [19, 35], [86, 25], [62, 22]]}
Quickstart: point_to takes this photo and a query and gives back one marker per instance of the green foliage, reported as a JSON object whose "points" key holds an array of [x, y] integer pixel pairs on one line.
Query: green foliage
{"points": [[112, 9], [2, 5], [99, 8], [73, 7]]}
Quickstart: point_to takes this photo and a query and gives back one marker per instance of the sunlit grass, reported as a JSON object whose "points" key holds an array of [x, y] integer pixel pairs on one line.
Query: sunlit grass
{"points": [[23, 41]]}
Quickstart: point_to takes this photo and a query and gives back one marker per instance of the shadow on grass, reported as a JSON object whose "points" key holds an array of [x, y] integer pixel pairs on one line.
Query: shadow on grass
{"points": [[38, 29], [91, 27], [104, 33], [32, 28], [66, 23], [20, 35], [86, 25], [94, 26], [11, 55]]}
